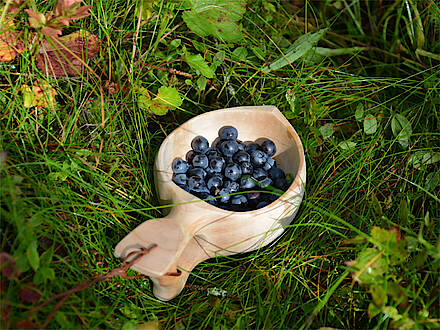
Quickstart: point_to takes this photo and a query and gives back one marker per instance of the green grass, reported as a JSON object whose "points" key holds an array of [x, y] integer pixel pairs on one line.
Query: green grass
{"points": [[77, 187]]}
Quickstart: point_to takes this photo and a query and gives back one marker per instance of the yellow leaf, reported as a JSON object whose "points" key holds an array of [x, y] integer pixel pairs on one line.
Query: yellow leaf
{"points": [[40, 95], [150, 325], [10, 44]]}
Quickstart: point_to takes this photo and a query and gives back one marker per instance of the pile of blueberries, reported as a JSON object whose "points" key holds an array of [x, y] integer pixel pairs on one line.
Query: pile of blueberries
{"points": [[230, 166]]}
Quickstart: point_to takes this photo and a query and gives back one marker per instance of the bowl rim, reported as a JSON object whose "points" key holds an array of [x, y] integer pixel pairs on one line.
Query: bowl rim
{"points": [[300, 178]]}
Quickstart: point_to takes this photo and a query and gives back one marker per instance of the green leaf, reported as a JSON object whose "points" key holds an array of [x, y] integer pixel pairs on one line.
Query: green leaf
{"points": [[197, 63], [299, 48], [370, 124], [167, 98], [391, 312], [402, 129], [373, 310], [175, 43], [376, 205], [403, 212], [359, 113], [294, 103], [216, 17], [379, 294], [347, 145], [420, 158], [258, 52], [240, 53], [218, 59], [338, 51], [390, 241], [326, 130], [32, 255], [369, 266]]}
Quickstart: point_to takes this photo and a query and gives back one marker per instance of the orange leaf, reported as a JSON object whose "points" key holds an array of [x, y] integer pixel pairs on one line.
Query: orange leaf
{"points": [[10, 43]]}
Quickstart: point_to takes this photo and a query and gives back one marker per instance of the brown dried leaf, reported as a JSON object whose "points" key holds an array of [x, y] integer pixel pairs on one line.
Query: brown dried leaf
{"points": [[66, 56], [8, 266], [26, 324], [14, 5], [30, 294], [67, 10], [10, 43]]}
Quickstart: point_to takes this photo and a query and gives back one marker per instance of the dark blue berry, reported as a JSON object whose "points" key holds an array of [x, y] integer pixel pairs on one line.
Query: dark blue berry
{"points": [[228, 133], [263, 183], [217, 164], [211, 200], [246, 183], [238, 200], [197, 171], [270, 162], [232, 186], [276, 172], [229, 148], [179, 166], [246, 168], [258, 158], [215, 182], [281, 183], [240, 145], [269, 147], [200, 144], [224, 193], [200, 161], [253, 195], [212, 153], [250, 146], [209, 172], [241, 156], [180, 179], [190, 156], [232, 172], [259, 173], [202, 189], [262, 204], [195, 183]]}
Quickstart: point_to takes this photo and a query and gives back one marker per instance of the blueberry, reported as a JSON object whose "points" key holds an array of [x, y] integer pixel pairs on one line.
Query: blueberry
{"points": [[224, 193], [232, 172], [180, 179], [209, 172], [197, 172], [202, 189], [195, 182], [200, 144], [211, 200], [212, 153], [269, 164], [239, 200], [200, 161], [262, 204], [240, 145], [229, 148], [215, 145], [281, 183], [276, 172], [228, 133], [269, 147], [250, 146], [241, 156], [246, 183], [217, 164], [229, 160], [246, 168], [259, 173], [253, 195], [232, 186], [263, 183], [190, 156], [179, 166], [215, 182], [258, 158]]}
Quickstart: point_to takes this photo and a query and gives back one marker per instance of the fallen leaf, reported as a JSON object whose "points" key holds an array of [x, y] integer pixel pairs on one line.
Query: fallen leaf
{"points": [[36, 19], [66, 56], [40, 95], [68, 10], [167, 98], [29, 293], [8, 266], [10, 43]]}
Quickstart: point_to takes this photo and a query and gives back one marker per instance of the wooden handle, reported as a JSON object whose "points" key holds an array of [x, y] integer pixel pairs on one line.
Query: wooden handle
{"points": [[170, 239], [168, 286]]}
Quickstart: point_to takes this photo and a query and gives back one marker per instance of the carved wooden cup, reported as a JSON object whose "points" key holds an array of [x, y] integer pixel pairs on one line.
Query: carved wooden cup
{"points": [[194, 230]]}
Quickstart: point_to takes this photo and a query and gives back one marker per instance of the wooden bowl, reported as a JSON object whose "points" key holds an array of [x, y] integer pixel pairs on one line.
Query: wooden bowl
{"points": [[194, 230]]}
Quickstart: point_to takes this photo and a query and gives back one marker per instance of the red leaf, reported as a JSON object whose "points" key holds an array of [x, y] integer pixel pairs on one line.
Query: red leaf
{"points": [[26, 325], [29, 293], [8, 266], [66, 56]]}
